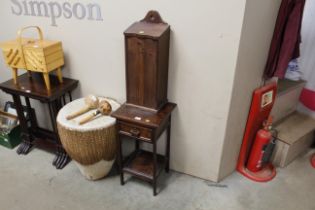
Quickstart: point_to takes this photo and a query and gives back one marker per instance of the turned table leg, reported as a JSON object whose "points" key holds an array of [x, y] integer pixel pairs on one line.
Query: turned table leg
{"points": [[26, 136], [154, 167], [61, 159], [168, 142], [120, 159], [31, 114]]}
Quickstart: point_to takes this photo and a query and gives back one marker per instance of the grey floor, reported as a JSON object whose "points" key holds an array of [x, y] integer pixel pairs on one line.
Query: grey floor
{"points": [[31, 183]]}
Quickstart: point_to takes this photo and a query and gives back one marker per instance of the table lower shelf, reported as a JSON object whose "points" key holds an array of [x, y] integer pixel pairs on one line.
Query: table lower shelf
{"points": [[140, 164]]}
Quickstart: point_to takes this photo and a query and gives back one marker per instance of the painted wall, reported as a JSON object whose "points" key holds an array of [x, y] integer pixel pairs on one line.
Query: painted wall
{"points": [[259, 20], [307, 57], [203, 55], [307, 61]]}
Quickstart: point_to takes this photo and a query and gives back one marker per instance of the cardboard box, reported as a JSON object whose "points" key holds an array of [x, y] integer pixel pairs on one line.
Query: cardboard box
{"points": [[295, 136], [9, 130], [287, 98]]}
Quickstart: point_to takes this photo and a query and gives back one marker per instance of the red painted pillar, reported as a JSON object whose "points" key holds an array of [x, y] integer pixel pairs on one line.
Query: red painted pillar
{"points": [[313, 160]]}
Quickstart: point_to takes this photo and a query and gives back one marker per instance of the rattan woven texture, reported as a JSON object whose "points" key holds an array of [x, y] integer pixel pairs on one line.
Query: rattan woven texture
{"points": [[89, 143], [89, 147]]}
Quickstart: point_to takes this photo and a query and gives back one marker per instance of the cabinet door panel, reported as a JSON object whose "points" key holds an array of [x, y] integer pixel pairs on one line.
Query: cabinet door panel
{"points": [[141, 71], [134, 72], [150, 73]]}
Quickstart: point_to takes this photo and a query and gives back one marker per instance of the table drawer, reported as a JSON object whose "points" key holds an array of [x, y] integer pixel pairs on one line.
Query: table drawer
{"points": [[136, 131]]}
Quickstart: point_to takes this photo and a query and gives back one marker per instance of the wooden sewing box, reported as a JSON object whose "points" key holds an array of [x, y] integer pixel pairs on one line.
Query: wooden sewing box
{"points": [[34, 55]]}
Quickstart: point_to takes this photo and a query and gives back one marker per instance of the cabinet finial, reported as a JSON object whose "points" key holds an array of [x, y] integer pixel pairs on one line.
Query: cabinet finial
{"points": [[153, 17]]}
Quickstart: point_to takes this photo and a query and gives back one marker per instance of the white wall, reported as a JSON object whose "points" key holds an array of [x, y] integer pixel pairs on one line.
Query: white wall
{"points": [[204, 45], [307, 57]]}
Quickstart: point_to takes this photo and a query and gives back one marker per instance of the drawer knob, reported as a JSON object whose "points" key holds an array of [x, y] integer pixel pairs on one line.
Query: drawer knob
{"points": [[135, 132]]}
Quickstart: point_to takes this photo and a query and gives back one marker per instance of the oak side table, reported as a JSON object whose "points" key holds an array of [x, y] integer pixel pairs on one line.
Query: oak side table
{"points": [[31, 133], [143, 125]]}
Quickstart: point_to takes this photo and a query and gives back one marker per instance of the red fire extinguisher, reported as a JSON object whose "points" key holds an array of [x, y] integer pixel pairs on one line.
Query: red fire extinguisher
{"points": [[261, 142]]}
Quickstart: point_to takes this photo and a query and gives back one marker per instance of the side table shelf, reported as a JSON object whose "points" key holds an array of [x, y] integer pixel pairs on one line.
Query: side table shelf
{"points": [[140, 164]]}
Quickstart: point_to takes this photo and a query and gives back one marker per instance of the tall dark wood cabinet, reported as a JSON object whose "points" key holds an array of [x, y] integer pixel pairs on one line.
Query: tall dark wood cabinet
{"points": [[147, 53], [147, 112]]}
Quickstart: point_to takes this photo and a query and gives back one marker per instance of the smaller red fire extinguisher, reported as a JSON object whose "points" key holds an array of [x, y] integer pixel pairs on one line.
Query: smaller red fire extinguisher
{"points": [[261, 142]]}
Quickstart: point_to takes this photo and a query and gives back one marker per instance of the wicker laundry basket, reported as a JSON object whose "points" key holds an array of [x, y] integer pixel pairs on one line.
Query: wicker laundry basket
{"points": [[92, 145]]}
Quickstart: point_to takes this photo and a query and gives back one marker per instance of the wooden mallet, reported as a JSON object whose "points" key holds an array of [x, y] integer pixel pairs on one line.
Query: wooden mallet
{"points": [[91, 102], [104, 108]]}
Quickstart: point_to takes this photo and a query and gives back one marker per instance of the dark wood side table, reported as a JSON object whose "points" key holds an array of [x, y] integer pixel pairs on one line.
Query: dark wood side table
{"points": [[143, 125], [32, 134]]}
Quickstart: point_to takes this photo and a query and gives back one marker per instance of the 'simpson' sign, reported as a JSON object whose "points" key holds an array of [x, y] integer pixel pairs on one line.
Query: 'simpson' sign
{"points": [[57, 9]]}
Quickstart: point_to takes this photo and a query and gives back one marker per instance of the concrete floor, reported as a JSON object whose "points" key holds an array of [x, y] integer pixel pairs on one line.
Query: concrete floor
{"points": [[31, 183]]}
